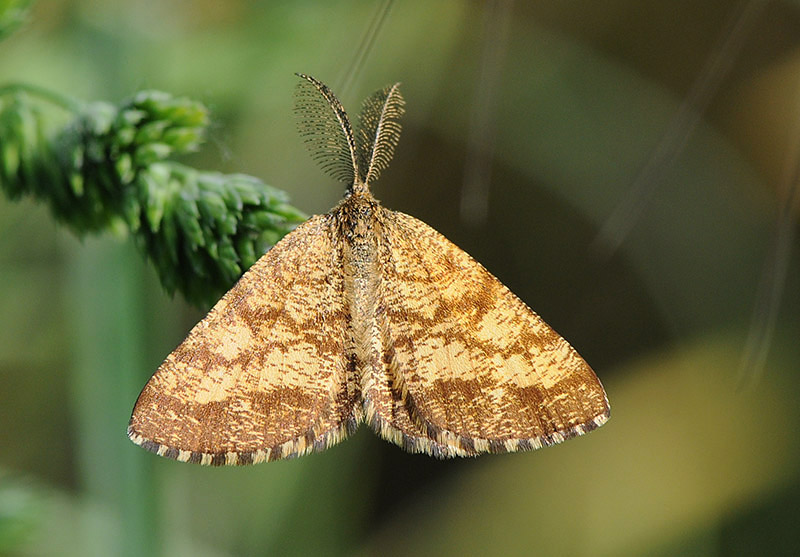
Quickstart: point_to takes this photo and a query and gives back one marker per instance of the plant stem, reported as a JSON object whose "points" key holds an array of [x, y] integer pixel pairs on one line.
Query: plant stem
{"points": [[109, 347]]}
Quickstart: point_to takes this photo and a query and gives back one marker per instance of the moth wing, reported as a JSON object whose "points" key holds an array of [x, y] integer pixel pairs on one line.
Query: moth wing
{"points": [[263, 376], [471, 368]]}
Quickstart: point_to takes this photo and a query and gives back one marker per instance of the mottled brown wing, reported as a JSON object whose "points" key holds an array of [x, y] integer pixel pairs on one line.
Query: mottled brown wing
{"points": [[470, 368], [263, 376]]}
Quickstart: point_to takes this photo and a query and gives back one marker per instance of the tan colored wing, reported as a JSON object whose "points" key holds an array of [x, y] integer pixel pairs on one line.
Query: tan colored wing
{"points": [[264, 375], [471, 369]]}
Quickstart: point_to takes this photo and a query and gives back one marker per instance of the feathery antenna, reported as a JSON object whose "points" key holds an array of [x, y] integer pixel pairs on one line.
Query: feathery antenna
{"points": [[379, 131], [326, 130]]}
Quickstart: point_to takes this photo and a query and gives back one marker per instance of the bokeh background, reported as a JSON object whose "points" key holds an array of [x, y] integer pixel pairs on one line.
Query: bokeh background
{"points": [[528, 128]]}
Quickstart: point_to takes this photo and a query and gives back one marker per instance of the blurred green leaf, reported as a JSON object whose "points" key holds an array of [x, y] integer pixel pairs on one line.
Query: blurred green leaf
{"points": [[19, 513], [13, 13]]}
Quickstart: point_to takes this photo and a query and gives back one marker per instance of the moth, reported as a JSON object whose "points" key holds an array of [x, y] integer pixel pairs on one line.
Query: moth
{"points": [[364, 314]]}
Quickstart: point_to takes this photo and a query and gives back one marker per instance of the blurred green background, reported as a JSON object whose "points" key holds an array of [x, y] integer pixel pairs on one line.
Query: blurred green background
{"points": [[527, 124]]}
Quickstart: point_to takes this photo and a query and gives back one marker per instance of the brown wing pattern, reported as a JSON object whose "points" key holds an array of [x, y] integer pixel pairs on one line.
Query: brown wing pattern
{"points": [[263, 376], [471, 369]]}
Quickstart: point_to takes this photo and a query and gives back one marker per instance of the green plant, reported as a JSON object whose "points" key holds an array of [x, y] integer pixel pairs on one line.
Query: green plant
{"points": [[110, 167]]}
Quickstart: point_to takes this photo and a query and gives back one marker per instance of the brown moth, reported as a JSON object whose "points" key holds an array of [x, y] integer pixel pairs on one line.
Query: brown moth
{"points": [[364, 314]]}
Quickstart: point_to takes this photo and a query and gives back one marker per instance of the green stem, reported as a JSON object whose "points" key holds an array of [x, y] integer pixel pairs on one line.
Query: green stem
{"points": [[109, 345], [64, 101]]}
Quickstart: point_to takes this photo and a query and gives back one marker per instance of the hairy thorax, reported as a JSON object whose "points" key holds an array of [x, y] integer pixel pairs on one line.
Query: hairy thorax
{"points": [[360, 219]]}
